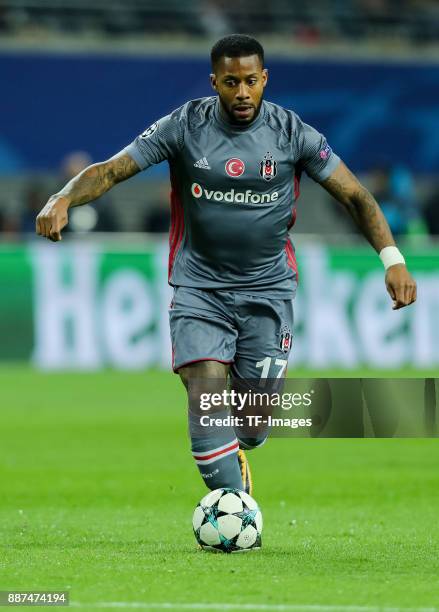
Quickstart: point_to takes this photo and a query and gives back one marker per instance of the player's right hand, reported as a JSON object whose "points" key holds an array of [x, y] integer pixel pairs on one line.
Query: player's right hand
{"points": [[52, 218]]}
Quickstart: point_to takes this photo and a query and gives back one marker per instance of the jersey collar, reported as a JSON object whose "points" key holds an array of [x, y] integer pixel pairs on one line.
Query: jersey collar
{"points": [[238, 129]]}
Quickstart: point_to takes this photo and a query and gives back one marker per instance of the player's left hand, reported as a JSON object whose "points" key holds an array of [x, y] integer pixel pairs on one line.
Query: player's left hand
{"points": [[401, 286]]}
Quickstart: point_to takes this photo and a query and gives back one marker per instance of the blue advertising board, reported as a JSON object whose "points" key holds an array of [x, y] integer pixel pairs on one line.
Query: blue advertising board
{"points": [[52, 104]]}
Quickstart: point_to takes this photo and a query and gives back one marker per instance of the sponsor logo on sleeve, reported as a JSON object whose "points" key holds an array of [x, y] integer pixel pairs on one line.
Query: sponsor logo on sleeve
{"points": [[235, 167], [268, 167]]}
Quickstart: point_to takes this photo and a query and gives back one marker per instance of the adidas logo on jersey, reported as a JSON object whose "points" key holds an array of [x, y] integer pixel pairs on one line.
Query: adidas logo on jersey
{"points": [[202, 163]]}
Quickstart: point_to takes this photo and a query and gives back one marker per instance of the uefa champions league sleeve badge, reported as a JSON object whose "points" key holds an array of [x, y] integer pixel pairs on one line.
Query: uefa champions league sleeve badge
{"points": [[150, 131]]}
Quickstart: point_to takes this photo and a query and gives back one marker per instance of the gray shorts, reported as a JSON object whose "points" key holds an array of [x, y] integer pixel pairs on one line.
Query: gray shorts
{"points": [[252, 333]]}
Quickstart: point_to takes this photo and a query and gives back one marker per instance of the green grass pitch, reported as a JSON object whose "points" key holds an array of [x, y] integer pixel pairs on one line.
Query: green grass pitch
{"points": [[97, 490]]}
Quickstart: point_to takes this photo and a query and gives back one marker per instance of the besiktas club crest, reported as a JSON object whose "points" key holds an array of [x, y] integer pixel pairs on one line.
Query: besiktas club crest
{"points": [[285, 338], [268, 167]]}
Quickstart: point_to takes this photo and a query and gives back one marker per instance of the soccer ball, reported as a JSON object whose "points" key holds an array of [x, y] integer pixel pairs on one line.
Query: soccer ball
{"points": [[228, 520]]}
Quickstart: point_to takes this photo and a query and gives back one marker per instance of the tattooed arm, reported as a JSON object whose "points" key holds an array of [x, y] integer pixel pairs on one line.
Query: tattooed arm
{"points": [[88, 185], [367, 214], [361, 205]]}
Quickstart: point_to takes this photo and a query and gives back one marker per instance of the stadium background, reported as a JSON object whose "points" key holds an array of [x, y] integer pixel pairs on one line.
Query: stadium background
{"points": [[97, 482], [83, 81]]}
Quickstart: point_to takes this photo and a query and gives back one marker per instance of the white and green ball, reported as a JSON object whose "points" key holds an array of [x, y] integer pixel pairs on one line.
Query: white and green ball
{"points": [[228, 520]]}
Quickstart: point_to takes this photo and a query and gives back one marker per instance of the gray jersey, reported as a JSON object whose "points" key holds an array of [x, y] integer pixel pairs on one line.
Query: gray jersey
{"points": [[233, 193]]}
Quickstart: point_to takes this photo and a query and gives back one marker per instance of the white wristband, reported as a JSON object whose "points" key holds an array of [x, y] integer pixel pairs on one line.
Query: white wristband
{"points": [[390, 256]]}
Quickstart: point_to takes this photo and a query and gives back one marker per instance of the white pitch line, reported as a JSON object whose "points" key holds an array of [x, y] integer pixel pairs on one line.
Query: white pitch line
{"points": [[250, 607]]}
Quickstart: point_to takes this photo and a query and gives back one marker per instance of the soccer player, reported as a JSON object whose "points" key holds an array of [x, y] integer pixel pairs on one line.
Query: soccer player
{"points": [[235, 165]]}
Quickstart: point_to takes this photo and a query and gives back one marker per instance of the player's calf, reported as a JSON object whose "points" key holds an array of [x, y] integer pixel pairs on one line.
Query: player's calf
{"points": [[213, 441]]}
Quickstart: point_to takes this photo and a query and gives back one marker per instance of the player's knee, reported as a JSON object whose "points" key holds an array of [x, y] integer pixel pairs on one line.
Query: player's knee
{"points": [[204, 377], [208, 370]]}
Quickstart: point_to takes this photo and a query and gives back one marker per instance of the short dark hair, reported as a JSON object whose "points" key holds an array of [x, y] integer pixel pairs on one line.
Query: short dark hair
{"points": [[236, 45]]}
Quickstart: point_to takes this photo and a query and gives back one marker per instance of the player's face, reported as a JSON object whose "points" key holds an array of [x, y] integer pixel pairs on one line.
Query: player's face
{"points": [[240, 83]]}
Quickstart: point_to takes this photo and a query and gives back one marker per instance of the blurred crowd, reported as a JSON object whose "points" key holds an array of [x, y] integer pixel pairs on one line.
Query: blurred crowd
{"points": [[415, 21], [407, 214], [98, 216], [393, 186]]}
